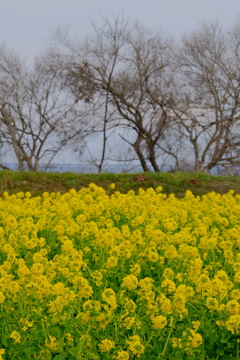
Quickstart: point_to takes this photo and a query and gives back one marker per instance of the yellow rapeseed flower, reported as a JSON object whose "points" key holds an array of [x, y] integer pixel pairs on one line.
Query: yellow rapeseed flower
{"points": [[106, 345], [15, 336]]}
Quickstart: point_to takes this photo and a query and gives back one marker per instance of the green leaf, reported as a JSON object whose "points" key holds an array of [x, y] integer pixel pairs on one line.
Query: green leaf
{"points": [[161, 357], [61, 356], [220, 351], [21, 356], [73, 351], [30, 350], [5, 342], [225, 338]]}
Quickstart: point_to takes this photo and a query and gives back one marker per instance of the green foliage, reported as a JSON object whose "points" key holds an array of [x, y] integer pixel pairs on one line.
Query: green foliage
{"points": [[176, 183]]}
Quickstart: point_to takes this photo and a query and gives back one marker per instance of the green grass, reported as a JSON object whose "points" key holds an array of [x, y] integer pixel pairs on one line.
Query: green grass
{"points": [[177, 183]]}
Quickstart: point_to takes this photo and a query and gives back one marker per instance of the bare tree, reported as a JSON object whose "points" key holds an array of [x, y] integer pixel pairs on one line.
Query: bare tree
{"points": [[101, 53], [130, 68], [207, 99], [38, 114]]}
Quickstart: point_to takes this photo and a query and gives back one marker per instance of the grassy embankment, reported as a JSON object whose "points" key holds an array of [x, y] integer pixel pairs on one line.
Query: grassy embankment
{"points": [[176, 183]]}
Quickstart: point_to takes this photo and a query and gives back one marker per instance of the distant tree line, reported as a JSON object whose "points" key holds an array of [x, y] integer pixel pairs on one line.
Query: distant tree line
{"points": [[144, 97]]}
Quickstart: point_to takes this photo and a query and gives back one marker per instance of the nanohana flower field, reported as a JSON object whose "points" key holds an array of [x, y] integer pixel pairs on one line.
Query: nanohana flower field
{"points": [[89, 275]]}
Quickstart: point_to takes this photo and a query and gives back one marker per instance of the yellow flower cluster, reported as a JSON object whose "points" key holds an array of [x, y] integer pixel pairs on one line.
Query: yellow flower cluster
{"points": [[106, 345], [15, 336], [159, 322], [79, 269], [135, 346], [2, 352]]}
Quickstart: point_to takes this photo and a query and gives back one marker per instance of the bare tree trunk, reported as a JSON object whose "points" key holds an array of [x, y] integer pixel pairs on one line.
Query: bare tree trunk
{"points": [[152, 157], [12, 133], [104, 147], [137, 148]]}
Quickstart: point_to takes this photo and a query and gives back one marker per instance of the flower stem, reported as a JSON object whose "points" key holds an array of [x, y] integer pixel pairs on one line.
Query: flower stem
{"points": [[83, 340], [169, 334]]}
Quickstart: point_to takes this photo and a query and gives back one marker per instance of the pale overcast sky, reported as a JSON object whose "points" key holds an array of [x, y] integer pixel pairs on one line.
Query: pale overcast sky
{"points": [[26, 25]]}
